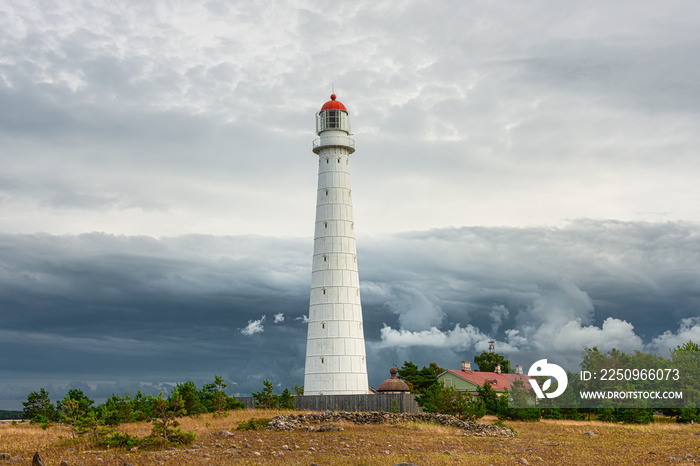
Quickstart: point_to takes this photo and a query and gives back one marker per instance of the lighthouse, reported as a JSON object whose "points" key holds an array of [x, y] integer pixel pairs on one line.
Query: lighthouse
{"points": [[335, 345]]}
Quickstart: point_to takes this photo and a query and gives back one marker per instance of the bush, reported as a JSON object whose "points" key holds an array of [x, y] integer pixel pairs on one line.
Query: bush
{"points": [[253, 424], [439, 398]]}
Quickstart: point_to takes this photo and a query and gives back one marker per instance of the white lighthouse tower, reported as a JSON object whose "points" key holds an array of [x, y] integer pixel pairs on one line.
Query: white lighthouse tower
{"points": [[335, 346]]}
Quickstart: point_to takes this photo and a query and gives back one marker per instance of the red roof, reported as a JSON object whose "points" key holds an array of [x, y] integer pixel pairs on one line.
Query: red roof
{"points": [[498, 381], [334, 104]]}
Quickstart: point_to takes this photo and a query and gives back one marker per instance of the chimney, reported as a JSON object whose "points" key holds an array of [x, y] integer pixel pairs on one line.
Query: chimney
{"points": [[519, 369], [498, 369], [466, 366]]}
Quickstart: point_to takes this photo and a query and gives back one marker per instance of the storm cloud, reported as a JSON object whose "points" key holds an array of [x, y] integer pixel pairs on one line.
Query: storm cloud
{"points": [[102, 309]]}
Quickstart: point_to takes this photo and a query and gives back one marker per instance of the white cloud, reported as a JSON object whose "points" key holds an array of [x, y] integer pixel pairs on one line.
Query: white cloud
{"points": [[279, 318], [689, 329], [458, 338], [571, 336], [254, 326]]}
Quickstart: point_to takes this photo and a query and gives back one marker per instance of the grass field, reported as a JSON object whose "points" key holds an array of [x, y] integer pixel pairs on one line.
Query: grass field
{"points": [[539, 443]]}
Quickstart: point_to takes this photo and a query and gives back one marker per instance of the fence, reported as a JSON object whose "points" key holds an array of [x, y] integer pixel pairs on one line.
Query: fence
{"points": [[387, 402]]}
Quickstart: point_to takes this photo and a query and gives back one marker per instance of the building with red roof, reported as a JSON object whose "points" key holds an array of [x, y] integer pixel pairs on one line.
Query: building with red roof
{"points": [[467, 380]]}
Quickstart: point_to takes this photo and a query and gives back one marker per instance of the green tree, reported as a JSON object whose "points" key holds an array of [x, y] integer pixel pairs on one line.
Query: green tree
{"points": [[191, 398], [142, 406], [165, 429], [488, 397], [439, 398], [76, 410], [266, 398], [215, 399], [298, 389], [488, 361], [686, 358], [419, 380], [220, 397], [517, 398], [117, 410], [38, 408], [286, 400]]}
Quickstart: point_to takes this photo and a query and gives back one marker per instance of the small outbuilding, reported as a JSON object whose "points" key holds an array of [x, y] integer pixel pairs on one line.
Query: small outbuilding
{"points": [[393, 384]]}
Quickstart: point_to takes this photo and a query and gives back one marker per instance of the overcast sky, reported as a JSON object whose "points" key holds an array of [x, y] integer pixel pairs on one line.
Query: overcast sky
{"points": [[525, 172]]}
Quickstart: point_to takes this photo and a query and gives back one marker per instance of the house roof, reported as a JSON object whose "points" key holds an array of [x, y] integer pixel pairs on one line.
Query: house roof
{"points": [[498, 381]]}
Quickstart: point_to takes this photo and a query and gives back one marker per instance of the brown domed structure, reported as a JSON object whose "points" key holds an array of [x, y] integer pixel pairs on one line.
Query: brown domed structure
{"points": [[394, 384]]}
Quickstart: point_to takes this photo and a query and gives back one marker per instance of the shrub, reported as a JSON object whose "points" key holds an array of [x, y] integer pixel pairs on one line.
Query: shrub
{"points": [[253, 424]]}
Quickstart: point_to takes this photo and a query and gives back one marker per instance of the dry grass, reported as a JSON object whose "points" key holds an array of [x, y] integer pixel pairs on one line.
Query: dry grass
{"points": [[545, 442]]}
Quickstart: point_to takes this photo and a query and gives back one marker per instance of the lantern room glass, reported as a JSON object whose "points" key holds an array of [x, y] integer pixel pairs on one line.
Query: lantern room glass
{"points": [[332, 119]]}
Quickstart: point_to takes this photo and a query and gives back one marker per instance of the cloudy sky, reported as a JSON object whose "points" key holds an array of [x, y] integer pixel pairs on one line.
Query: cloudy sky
{"points": [[525, 172]]}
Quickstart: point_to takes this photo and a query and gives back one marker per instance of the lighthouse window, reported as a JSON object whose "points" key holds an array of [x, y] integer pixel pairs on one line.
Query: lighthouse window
{"points": [[325, 224], [333, 118], [338, 159], [325, 258], [321, 359], [326, 192], [324, 291]]}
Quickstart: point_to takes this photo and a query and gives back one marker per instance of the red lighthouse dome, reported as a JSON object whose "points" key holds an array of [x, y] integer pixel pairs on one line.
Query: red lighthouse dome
{"points": [[334, 105]]}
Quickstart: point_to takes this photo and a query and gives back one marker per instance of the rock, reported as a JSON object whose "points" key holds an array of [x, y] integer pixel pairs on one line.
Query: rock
{"points": [[218, 445], [16, 459], [304, 421], [224, 434], [446, 452], [37, 460], [590, 434], [257, 453], [64, 463], [4, 456], [523, 461], [405, 464], [285, 447]]}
